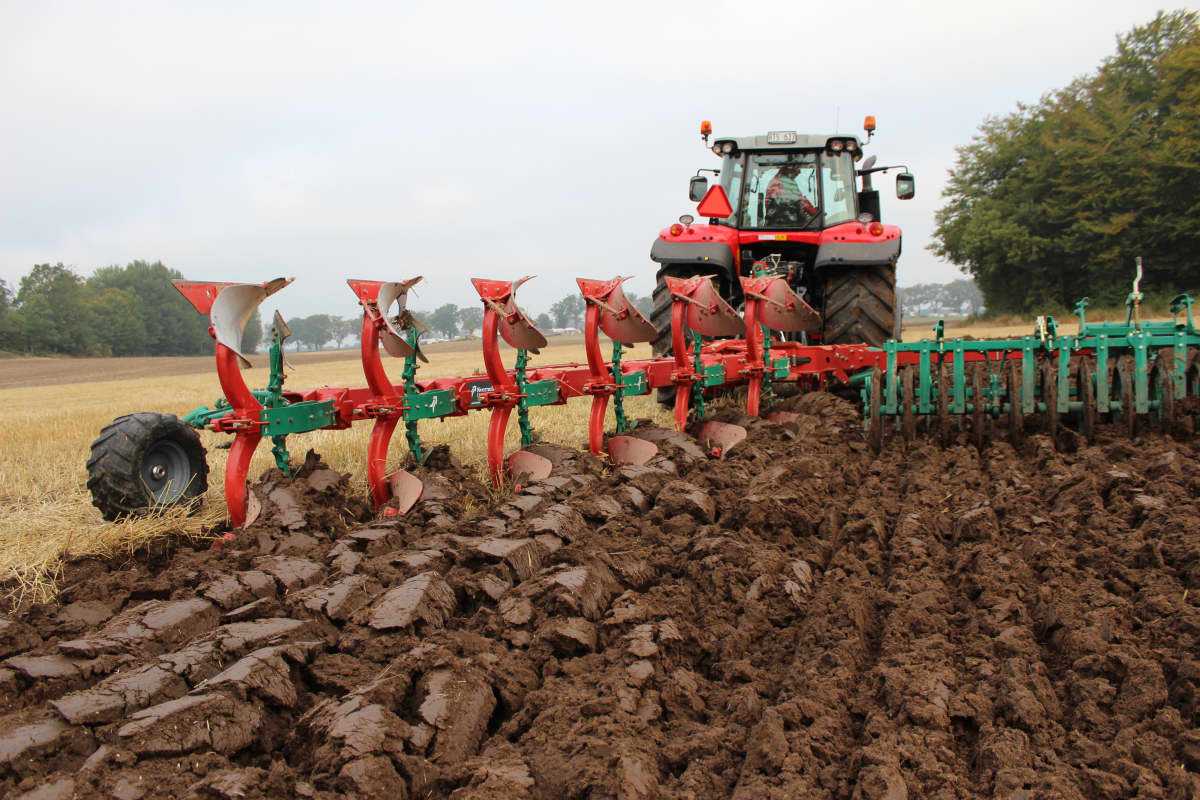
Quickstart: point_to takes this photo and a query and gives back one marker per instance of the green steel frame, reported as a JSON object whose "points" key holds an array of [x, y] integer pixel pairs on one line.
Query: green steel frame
{"points": [[942, 365]]}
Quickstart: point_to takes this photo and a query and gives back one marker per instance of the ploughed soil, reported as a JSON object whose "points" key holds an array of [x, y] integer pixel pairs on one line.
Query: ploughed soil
{"points": [[800, 619]]}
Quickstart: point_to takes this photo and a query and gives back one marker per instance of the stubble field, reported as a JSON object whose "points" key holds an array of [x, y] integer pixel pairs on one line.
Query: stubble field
{"points": [[801, 619], [47, 427]]}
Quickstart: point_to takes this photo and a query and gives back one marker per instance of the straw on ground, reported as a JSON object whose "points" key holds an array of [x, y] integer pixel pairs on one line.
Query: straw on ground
{"points": [[46, 512]]}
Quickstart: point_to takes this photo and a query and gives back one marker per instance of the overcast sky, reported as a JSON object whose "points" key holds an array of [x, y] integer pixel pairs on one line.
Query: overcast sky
{"points": [[244, 141]]}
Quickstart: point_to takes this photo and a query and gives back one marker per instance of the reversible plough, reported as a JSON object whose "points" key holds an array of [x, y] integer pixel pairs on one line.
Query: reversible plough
{"points": [[1123, 370], [697, 368]]}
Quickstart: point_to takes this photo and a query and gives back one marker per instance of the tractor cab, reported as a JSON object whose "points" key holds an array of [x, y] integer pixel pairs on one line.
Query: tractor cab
{"points": [[782, 189], [792, 201]]}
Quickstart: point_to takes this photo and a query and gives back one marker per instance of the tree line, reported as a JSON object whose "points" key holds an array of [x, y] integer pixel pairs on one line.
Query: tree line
{"points": [[117, 311], [135, 311], [1054, 201], [445, 321], [956, 298]]}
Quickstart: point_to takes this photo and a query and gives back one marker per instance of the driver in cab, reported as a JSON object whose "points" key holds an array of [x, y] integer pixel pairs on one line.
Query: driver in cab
{"points": [[783, 195]]}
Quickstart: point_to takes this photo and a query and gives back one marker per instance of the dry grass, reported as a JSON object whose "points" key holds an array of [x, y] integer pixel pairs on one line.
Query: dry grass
{"points": [[45, 508], [1010, 326]]}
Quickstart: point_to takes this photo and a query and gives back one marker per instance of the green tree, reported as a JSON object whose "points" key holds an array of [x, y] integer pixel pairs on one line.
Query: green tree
{"points": [[39, 332], [173, 328], [445, 320], [314, 331], [118, 323], [8, 334], [643, 303], [344, 329], [1054, 201], [55, 310], [299, 329], [470, 317], [544, 322], [252, 335], [568, 312]]}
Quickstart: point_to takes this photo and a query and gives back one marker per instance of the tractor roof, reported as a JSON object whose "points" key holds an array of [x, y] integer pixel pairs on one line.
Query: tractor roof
{"points": [[801, 141]]}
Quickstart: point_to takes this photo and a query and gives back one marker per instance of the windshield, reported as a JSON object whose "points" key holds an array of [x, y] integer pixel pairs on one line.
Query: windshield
{"points": [[781, 191], [837, 188]]}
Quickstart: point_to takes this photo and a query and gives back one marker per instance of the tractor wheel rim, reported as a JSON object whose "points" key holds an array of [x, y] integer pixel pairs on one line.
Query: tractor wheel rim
{"points": [[166, 472]]}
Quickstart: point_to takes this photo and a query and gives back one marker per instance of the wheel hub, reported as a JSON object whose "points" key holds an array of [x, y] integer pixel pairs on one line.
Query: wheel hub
{"points": [[166, 471]]}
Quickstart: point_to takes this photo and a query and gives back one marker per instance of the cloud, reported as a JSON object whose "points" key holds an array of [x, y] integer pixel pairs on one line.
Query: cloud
{"points": [[241, 142]]}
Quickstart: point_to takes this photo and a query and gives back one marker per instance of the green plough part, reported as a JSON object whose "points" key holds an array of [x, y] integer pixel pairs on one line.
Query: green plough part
{"points": [[279, 417], [1125, 369]]}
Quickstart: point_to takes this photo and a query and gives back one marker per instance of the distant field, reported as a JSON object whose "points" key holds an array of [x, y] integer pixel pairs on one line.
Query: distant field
{"points": [[22, 372], [52, 408], [1004, 327], [47, 426]]}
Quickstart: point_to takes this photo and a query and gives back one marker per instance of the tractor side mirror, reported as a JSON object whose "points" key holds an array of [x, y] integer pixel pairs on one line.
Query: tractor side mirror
{"points": [[697, 188], [906, 186]]}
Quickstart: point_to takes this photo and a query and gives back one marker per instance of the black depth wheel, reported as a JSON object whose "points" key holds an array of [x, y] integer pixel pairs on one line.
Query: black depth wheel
{"points": [[1086, 389], [145, 461], [1189, 405]]}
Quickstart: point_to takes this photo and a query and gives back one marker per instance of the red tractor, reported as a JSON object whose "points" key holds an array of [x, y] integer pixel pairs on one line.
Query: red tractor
{"points": [[788, 203]]}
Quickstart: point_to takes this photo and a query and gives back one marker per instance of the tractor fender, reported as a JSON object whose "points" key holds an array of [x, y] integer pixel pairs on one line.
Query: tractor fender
{"points": [[853, 249], [707, 254]]}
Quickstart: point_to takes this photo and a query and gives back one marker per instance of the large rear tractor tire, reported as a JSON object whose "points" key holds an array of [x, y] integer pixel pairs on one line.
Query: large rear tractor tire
{"points": [[860, 305], [146, 461]]}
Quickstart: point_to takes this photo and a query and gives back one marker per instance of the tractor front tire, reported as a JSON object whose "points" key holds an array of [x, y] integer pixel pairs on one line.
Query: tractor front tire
{"points": [[146, 461], [860, 305]]}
